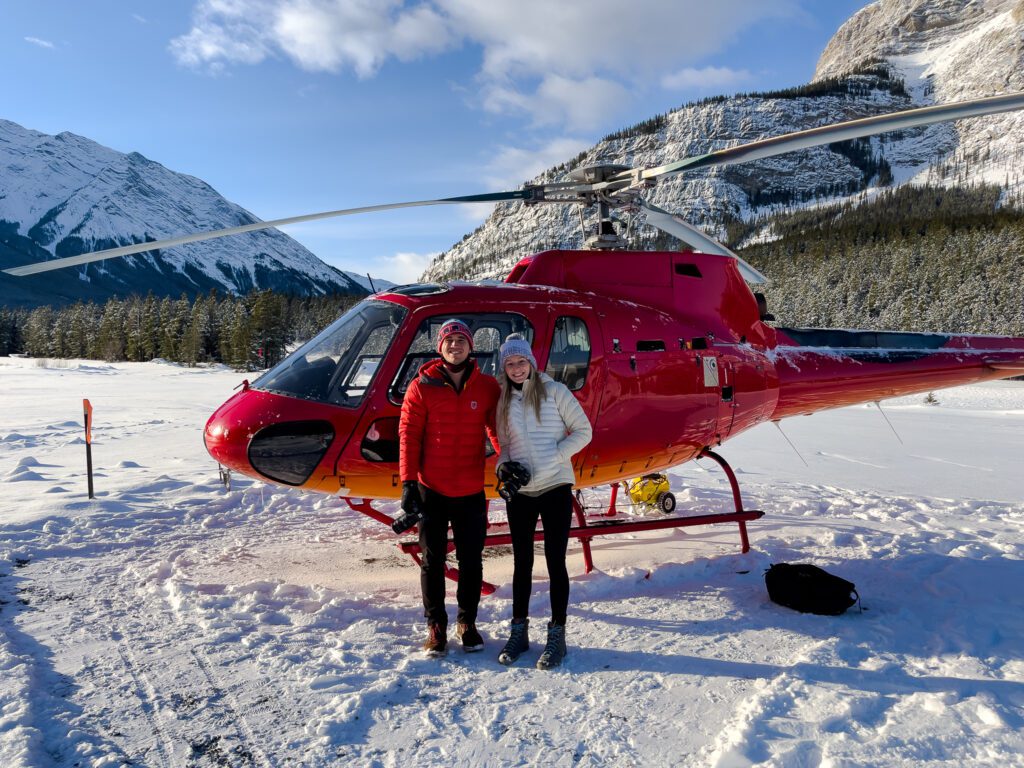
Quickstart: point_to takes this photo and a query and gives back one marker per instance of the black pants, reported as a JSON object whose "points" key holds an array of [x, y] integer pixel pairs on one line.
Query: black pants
{"points": [[468, 518], [554, 508]]}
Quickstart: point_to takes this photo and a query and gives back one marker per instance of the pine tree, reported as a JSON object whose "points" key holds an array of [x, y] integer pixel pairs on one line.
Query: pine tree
{"points": [[268, 330], [134, 330], [149, 337], [110, 342], [167, 333], [37, 331]]}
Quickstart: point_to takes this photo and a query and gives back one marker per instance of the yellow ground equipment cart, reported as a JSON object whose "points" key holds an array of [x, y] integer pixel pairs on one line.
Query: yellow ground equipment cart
{"points": [[651, 492]]}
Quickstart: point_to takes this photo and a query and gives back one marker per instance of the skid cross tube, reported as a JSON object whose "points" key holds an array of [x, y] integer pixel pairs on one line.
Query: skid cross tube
{"points": [[585, 531]]}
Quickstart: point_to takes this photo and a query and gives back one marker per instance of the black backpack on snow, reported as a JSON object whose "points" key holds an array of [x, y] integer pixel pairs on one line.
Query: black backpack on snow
{"points": [[809, 589]]}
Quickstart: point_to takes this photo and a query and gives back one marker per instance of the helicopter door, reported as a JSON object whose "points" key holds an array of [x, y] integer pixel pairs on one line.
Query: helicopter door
{"points": [[741, 388], [719, 379], [726, 394]]}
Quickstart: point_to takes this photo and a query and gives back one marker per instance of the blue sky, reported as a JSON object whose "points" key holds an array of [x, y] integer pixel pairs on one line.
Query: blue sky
{"points": [[294, 106]]}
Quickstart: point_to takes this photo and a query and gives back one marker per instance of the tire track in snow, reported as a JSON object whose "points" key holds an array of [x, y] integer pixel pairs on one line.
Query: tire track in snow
{"points": [[247, 736], [147, 696]]}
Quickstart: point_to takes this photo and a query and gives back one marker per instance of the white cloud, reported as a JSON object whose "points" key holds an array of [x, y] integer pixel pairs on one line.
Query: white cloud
{"points": [[557, 100], [577, 39], [37, 41], [318, 35], [212, 46], [514, 165], [705, 79], [403, 267], [577, 104], [560, 63], [140, 19]]}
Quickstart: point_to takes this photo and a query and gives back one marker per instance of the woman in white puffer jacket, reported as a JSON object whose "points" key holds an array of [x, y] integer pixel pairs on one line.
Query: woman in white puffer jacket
{"points": [[541, 425]]}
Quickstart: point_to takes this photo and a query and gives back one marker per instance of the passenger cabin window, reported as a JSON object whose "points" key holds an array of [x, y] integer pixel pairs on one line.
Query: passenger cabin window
{"points": [[489, 331], [570, 353]]}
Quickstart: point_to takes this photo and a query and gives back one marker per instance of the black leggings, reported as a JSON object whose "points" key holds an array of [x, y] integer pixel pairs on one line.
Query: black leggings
{"points": [[468, 517], [554, 508]]}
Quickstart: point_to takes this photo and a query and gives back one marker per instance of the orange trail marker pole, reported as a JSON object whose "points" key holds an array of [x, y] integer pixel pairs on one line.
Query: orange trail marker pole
{"points": [[87, 406]]}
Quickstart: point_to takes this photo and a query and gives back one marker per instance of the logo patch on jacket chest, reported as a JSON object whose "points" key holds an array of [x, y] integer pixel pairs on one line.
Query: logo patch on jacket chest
{"points": [[472, 404]]}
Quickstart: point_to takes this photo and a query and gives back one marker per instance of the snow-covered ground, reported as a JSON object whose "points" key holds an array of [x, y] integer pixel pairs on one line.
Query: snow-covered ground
{"points": [[170, 622]]}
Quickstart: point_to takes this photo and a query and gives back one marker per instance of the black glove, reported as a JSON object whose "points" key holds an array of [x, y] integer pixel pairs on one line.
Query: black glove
{"points": [[513, 471], [412, 501]]}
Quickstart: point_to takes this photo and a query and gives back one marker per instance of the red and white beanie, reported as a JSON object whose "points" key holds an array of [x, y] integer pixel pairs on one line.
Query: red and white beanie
{"points": [[454, 326]]}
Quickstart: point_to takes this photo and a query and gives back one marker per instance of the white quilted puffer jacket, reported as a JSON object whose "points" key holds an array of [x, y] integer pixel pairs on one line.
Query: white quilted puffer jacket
{"points": [[545, 446]]}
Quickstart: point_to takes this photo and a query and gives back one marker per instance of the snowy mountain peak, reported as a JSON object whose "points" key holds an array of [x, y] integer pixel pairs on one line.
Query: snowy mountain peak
{"points": [[953, 49], [65, 194]]}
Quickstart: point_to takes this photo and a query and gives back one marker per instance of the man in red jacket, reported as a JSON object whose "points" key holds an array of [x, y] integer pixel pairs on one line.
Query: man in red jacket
{"points": [[448, 410]]}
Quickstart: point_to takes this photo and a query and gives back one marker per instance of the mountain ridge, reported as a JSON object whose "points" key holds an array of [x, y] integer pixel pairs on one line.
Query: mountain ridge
{"points": [[889, 56], [66, 194]]}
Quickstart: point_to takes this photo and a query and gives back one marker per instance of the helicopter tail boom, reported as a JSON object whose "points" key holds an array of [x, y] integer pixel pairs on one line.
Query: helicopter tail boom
{"points": [[829, 369]]}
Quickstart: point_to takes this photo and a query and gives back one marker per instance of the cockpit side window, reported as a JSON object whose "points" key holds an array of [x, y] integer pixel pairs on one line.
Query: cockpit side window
{"points": [[338, 365], [570, 353], [489, 331]]}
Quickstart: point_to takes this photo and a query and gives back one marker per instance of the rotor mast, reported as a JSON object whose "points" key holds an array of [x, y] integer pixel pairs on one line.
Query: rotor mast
{"points": [[606, 237]]}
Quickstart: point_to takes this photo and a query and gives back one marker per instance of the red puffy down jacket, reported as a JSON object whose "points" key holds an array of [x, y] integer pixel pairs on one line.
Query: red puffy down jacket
{"points": [[441, 432]]}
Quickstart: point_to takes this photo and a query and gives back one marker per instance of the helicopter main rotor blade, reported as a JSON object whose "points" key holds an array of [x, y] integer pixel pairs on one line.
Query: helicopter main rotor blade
{"points": [[127, 250], [827, 134], [696, 239]]}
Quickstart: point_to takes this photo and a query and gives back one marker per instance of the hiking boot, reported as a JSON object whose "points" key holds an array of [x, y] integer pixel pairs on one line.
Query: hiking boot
{"points": [[518, 641], [554, 649], [436, 643], [471, 640]]}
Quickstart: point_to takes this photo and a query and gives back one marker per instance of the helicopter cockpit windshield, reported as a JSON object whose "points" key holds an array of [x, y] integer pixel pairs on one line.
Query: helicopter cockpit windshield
{"points": [[337, 366]]}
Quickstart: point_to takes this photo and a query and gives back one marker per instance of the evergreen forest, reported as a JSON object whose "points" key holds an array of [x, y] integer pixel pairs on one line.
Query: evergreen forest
{"points": [[249, 332], [914, 258]]}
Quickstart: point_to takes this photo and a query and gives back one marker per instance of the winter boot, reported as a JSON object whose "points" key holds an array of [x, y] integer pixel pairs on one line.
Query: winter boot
{"points": [[554, 649], [471, 640], [518, 641], [436, 643]]}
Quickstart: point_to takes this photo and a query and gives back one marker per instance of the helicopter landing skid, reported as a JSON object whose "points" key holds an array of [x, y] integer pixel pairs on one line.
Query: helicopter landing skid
{"points": [[605, 527], [585, 531], [412, 548]]}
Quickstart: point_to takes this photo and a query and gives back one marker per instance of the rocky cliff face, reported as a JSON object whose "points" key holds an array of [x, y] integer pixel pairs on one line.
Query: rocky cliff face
{"points": [[892, 55]]}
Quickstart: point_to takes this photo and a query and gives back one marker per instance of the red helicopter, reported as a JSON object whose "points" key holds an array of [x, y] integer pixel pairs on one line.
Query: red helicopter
{"points": [[676, 341]]}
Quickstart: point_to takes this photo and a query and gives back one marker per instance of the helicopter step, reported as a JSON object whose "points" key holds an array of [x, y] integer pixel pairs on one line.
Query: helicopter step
{"points": [[585, 531]]}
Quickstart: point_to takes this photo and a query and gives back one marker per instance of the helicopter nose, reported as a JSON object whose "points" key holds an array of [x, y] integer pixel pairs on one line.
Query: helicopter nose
{"points": [[228, 432], [268, 436]]}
